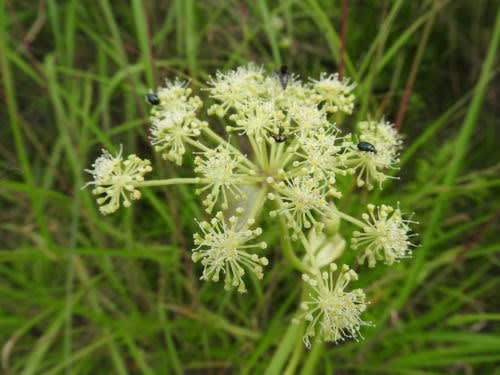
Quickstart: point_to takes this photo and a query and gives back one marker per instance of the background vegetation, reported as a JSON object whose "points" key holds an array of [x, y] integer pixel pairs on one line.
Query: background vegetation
{"points": [[86, 294]]}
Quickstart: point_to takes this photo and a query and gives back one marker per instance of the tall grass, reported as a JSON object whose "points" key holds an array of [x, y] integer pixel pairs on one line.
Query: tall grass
{"points": [[80, 293]]}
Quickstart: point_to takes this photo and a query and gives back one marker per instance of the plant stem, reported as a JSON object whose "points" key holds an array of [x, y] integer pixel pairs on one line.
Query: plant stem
{"points": [[287, 246], [171, 181], [286, 345], [348, 218], [312, 358]]}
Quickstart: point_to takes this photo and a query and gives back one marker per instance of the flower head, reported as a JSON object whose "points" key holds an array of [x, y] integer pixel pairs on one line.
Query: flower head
{"points": [[174, 120], [235, 87], [336, 94], [222, 247], [224, 172], [300, 198], [322, 155], [385, 236], [332, 312], [115, 178], [307, 118], [257, 118], [371, 167]]}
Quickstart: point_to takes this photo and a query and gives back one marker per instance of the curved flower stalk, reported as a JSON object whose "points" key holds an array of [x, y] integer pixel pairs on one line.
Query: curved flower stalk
{"points": [[293, 155]]}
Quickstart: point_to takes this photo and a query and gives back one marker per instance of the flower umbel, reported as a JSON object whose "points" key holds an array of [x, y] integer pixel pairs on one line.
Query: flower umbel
{"points": [[234, 88], [300, 198], [385, 236], [286, 149], [336, 94], [114, 178], [371, 167], [321, 155], [174, 120], [332, 312], [224, 172], [222, 247]]}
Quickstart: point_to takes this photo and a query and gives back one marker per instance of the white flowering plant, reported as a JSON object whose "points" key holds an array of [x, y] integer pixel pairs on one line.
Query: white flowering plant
{"points": [[283, 156]]}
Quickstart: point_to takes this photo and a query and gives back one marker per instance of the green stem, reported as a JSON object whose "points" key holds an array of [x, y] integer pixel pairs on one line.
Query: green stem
{"points": [[171, 181], [257, 152], [349, 218], [258, 204], [286, 345], [197, 144], [296, 356], [312, 358], [286, 245]]}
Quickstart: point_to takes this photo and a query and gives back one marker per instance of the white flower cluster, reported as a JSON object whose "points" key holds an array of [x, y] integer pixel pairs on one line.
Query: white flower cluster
{"points": [[115, 179], [371, 167], [296, 166], [384, 237], [174, 120], [330, 307], [223, 247]]}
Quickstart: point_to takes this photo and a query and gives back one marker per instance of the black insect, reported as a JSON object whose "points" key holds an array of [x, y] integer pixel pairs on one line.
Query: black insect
{"points": [[152, 98], [280, 137], [366, 147], [283, 76]]}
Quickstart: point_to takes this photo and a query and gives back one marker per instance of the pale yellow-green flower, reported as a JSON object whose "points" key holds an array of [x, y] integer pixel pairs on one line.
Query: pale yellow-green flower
{"points": [[174, 120], [222, 247], [332, 314], [115, 178], [385, 237], [372, 167], [335, 93]]}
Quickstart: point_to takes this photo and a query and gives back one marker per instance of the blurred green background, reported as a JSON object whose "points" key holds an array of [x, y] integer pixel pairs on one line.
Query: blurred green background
{"points": [[86, 294]]}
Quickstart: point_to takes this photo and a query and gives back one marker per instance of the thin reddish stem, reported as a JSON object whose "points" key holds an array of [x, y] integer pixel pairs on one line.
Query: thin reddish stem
{"points": [[343, 27]]}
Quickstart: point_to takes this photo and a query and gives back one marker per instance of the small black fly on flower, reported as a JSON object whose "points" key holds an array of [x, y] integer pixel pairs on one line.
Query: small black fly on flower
{"points": [[280, 137], [283, 76], [152, 98], [366, 147]]}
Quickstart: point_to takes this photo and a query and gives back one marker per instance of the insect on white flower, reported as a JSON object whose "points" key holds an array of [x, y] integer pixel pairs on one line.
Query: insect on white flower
{"points": [[321, 154], [114, 179], [174, 120], [222, 248], [371, 166], [257, 119], [330, 311], [385, 237]]}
